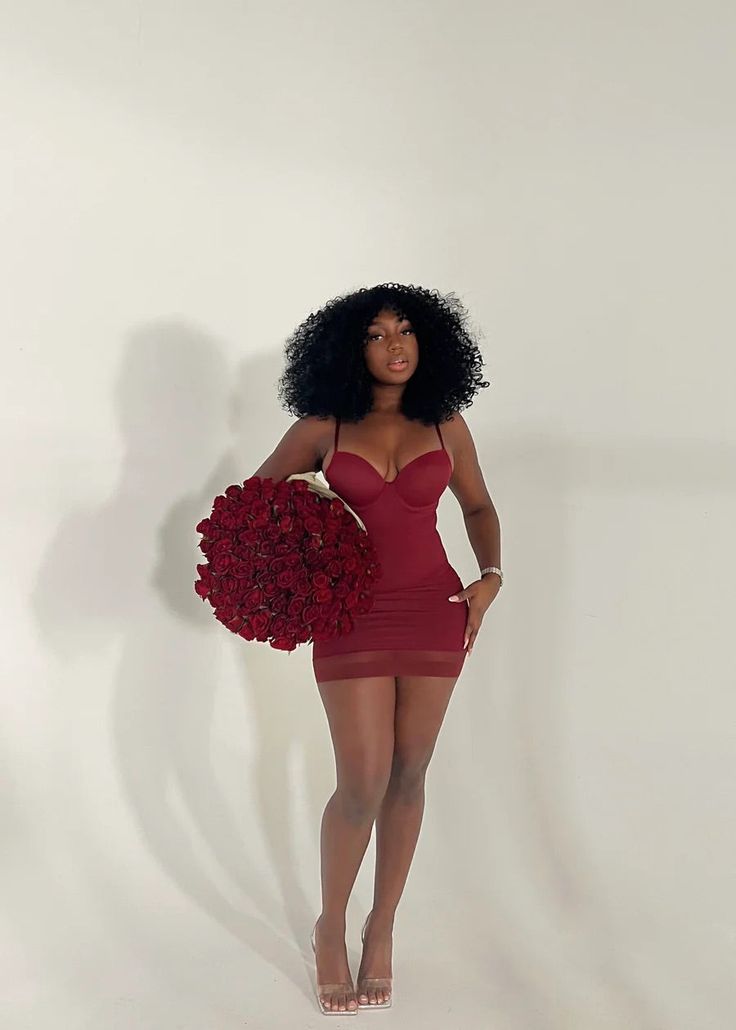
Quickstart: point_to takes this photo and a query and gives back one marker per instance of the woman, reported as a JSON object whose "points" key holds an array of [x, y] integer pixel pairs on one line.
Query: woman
{"points": [[378, 378]]}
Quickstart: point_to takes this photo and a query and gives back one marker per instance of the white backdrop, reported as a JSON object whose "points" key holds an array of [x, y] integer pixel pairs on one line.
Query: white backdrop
{"points": [[181, 185]]}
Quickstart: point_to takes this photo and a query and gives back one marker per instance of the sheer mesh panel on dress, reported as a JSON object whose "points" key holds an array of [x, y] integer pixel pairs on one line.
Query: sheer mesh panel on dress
{"points": [[401, 663]]}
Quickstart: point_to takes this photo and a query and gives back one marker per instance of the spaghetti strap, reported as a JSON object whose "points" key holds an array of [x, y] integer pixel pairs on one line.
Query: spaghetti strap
{"points": [[437, 427], [337, 431]]}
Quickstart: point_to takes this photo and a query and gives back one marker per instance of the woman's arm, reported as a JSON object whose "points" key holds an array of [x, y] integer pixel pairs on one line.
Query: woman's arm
{"points": [[300, 449], [481, 523], [468, 486]]}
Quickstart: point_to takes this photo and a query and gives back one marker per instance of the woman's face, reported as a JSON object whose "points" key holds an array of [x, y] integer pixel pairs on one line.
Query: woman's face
{"points": [[391, 351]]}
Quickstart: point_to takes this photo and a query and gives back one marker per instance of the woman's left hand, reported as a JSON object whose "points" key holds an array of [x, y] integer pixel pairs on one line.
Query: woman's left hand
{"points": [[479, 596]]}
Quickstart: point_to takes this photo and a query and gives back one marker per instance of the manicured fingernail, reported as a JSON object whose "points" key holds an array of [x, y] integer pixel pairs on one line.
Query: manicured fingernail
{"points": [[453, 598]]}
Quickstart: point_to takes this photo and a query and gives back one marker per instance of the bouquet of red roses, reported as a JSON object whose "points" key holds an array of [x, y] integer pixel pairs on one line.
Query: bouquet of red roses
{"points": [[287, 562]]}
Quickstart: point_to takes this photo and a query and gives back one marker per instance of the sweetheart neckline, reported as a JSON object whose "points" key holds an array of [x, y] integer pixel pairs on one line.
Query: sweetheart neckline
{"points": [[387, 482]]}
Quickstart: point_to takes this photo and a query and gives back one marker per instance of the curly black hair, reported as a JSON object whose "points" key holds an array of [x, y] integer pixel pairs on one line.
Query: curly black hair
{"points": [[326, 374]]}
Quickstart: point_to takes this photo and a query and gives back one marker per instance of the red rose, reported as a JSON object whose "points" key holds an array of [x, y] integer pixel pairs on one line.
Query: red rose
{"points": [[286, 578], [221, 563], [301, 587], [260, 621], [296, 606], [247, 631], [284, 643], [312, 524], [279, 603], [278, 625]]}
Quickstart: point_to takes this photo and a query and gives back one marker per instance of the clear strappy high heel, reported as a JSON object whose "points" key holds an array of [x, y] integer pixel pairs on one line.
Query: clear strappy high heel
{"points": [[332, 988], [372, 983]]}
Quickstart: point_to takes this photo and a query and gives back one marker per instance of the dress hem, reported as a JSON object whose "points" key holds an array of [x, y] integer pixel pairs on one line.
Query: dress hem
{"points": [[394, 662]]}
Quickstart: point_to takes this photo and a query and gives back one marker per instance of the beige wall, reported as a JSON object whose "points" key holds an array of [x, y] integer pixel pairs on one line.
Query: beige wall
{"points": [[182, 184]]}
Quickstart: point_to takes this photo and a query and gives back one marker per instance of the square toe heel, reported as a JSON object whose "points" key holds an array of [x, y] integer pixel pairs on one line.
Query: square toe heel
{"points": [[342, 988], [384, 983]]}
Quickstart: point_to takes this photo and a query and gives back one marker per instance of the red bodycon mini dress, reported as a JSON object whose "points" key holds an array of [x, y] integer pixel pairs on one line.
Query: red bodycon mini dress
{"points": [[412, 628]]}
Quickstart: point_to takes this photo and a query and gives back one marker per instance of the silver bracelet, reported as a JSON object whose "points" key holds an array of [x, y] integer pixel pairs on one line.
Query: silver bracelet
{"points": [[492, 568]]}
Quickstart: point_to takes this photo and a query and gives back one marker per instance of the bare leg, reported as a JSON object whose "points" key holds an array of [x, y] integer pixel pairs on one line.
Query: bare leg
{"points": [[360, 713], [421, 703]]}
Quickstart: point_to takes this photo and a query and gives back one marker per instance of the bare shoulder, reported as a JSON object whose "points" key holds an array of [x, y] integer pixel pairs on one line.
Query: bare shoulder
{"points": [[453, 419], [319, 430], [300, 449], [456, 430], [311, 427]]}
